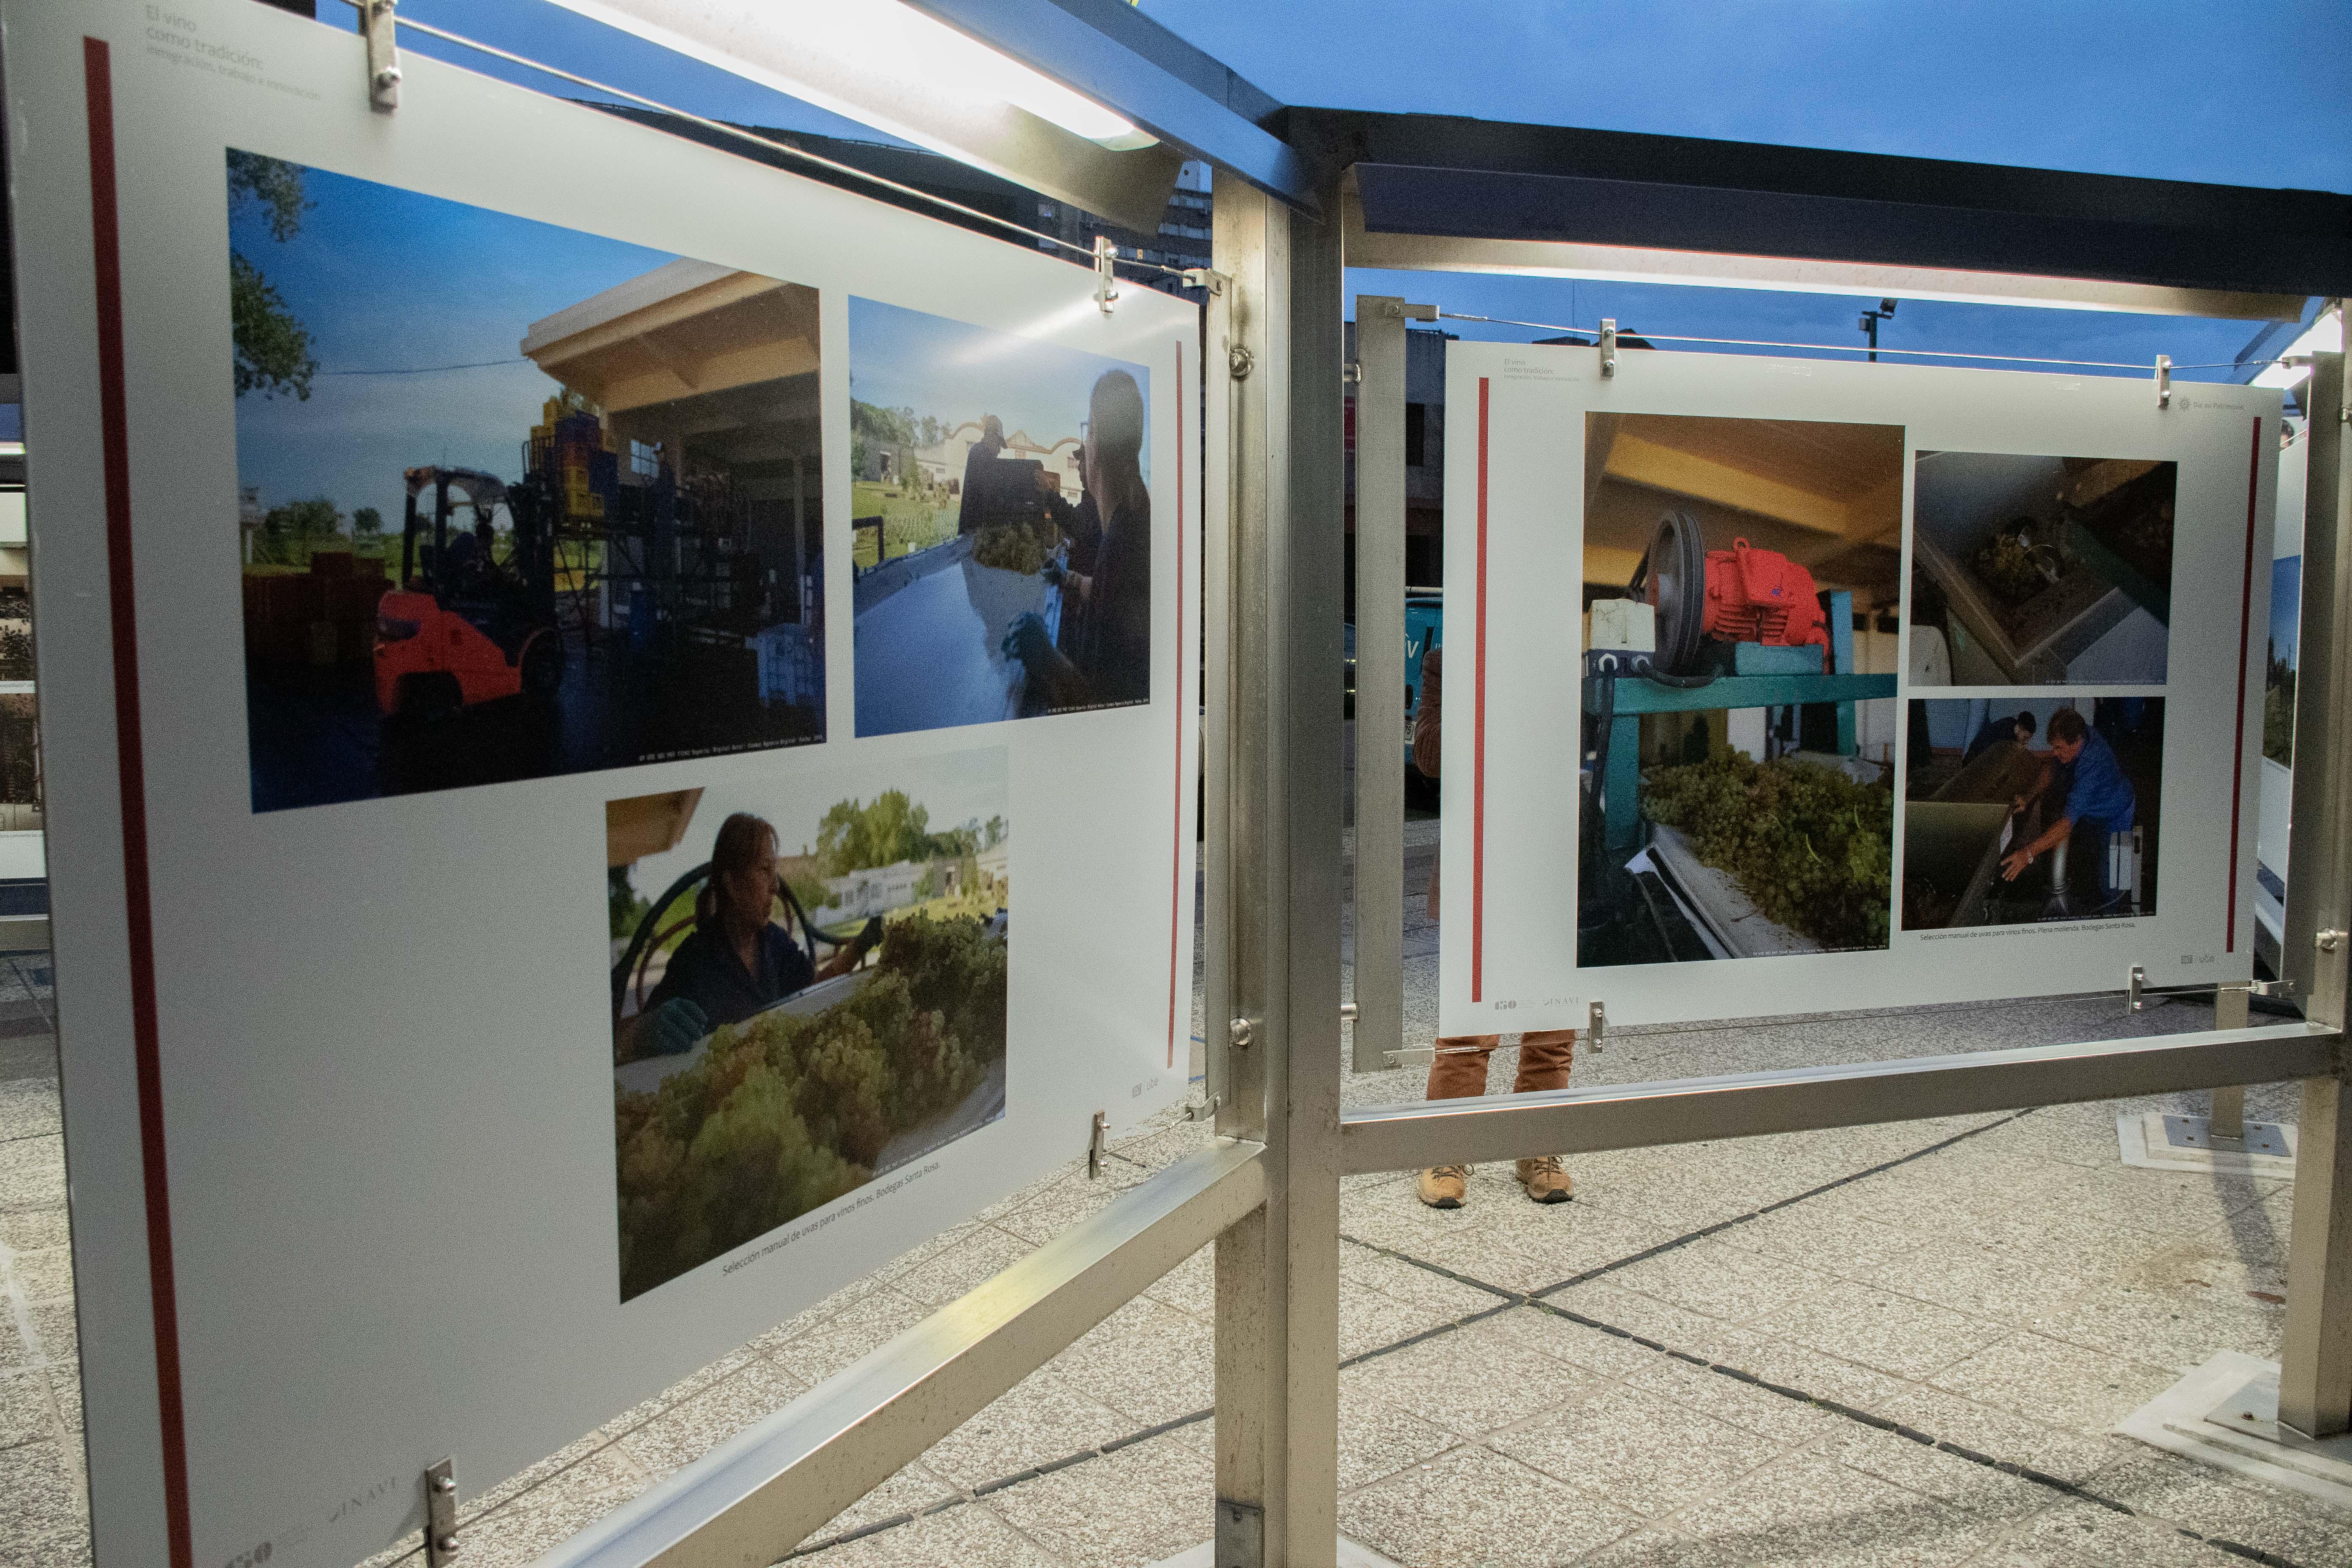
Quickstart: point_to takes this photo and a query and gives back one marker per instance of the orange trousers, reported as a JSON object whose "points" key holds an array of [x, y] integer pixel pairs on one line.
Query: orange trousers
{"points": [[1459, 1068]]}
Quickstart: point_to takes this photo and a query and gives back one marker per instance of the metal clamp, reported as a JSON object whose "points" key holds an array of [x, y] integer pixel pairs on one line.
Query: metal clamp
{"points": [[376, 20], [2164, 381], [1097, 1144], [1608, 345], [1240, 361], [2328, 940], [1105, 280], [2279, 988], [441, 1545], [1596, 1026], [1207, 278], [1205, 1110], [2135, 994], [1349, 1012], [1352, 372], [1240, 1033], [1410, 1057]]}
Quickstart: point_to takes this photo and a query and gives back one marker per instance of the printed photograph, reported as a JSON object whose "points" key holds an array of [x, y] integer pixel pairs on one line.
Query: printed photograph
{"points": [[808, 991], [1742, 579], [513, 500], [1000, 524], [2030, 806], [2040, 571]]}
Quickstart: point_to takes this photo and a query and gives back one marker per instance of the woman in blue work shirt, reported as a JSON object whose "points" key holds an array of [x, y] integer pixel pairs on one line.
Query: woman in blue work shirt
{"points": [[2097, 795]]}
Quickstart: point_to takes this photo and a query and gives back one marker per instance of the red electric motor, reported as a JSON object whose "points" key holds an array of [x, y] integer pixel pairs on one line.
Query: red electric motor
{"points": [[1761, 596]]}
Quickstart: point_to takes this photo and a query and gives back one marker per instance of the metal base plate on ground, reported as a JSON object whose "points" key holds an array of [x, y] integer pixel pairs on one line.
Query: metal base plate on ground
{"points": [[1351, 1556], [2225, 1413], [2155, 1142]]}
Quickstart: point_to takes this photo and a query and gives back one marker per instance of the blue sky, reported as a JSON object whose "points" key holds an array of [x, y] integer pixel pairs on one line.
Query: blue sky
{"points": [[909, 358], [2287, 607], [384, 278], [2217, 91]]}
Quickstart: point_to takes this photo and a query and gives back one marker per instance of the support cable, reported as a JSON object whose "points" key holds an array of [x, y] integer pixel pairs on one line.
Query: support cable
{"points": [[737, 133], [1863, 348]]}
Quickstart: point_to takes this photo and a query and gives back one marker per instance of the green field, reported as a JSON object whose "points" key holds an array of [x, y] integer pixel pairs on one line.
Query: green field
{"points": [[913, 519]]}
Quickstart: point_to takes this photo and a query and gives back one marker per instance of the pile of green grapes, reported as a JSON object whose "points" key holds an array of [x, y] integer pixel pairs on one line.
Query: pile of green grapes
{"points": [[784, 1114], [1020, 547], [1807, 844]]}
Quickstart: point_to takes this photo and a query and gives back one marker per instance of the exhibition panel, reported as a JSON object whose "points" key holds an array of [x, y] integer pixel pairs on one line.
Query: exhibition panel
{"points": [[1880, 664], [458, 488]]}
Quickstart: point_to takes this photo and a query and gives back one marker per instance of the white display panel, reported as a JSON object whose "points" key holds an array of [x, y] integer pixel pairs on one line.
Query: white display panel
{"points": [[340, 1066], [1563, 472]]}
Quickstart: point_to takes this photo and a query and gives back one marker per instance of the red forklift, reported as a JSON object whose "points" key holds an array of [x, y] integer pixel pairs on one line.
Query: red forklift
{"points": [[462, 628]]}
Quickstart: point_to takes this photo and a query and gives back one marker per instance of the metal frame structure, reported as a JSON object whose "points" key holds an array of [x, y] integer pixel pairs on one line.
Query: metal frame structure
{"points": [[1417, 191]]}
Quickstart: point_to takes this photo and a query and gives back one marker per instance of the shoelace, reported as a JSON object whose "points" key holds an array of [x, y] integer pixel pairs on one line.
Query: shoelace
{"points": [[1544, 1165], [1462, 1172]]}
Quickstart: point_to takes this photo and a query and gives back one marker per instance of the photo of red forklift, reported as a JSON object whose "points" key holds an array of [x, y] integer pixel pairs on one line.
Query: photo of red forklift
{"points": [[464, 628]]}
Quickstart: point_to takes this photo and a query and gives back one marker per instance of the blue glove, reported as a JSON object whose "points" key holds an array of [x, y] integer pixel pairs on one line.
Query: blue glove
{"points": [[672, 1028], [1026, 638]]}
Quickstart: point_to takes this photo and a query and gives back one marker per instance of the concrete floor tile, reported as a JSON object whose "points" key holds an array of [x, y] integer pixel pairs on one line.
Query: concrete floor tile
{"points": [[2222, 1507], [692, 1428], [1073, 1200], [1981, 1281], [57, 1337], [1420, 1287], [1464, 1384], [1736, 1402], [1820, 1237], [1606, 1354], [1972, 1487], [34, 1229], [966, 1537], [2168, 1328], [1879, 1329], [1562, 1240], [1136, 1506], [2071, 1534], [1148, 1362], [1191, 1285], [1812, 1511], [1635, 1449], [33, 1174], [1370, 1321], [1394, 1218], [40, 1493], [1679, 1327], [1378, 1439], [1040, 1418], [2056, 1236], [685, 1388], [1721, 1281], [28, 1108], [911, 1490], [1160, 1149], [44, 1275], [2058, 1384], [2057, 1450], [65, 1388], [983, 1251], [25, 1414], [2168, 1201], [1792, 1365], [1470, 1508], [870, 1322]]}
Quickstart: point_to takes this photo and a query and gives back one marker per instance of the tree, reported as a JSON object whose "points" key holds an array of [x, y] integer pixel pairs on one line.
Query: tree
{"points": [[854, 838], [366, 520], [272, 346], [993, 834], [289, 533]]}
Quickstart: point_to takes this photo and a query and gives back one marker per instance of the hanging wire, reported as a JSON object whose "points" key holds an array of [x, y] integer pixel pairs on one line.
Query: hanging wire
{"points": [[765, 145], [1624, 332]]}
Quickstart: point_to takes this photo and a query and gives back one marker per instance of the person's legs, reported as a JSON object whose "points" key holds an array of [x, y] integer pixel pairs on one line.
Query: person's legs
{"points": [[1545, 1057], [1458, 1072]]}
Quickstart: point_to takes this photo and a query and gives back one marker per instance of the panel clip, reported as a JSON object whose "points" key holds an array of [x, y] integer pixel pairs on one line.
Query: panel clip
{"points": [[1608, 345], [376, 20], [1207, 278], [1097, 1140], [1205, 1111], [2164, 381], [441, 1545], [1105, 280], [2134, 995], [1596, 1026]]}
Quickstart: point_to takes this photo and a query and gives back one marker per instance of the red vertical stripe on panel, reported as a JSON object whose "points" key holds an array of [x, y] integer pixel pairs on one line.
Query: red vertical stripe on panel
{"points": [[2245, 651], [1478, 762], [137, 911]]}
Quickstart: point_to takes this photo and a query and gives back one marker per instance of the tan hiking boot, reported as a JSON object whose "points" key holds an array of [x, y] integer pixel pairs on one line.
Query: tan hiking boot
{"points": [[1546, 1183], [1445, 1187]]}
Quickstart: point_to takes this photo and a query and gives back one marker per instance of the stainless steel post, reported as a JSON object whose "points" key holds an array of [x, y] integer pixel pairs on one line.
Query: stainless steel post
{"points": [[1380, 680], [1277, 1272], [2231, 1010], [2315, 1370]]}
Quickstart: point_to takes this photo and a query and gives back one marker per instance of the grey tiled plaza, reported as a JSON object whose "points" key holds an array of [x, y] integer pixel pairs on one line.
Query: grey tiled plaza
{"points": [[1907, 1344]]}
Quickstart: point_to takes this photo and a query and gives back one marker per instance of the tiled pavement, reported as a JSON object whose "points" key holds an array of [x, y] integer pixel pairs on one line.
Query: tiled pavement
{"points": [[1897, 1344]]}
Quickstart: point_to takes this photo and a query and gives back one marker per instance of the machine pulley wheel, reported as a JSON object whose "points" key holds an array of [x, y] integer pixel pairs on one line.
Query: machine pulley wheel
{"points": [[1676, 586]]}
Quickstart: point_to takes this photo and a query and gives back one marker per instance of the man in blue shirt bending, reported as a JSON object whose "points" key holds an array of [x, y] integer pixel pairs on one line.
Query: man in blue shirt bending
{"points": [[2097, 796]]}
